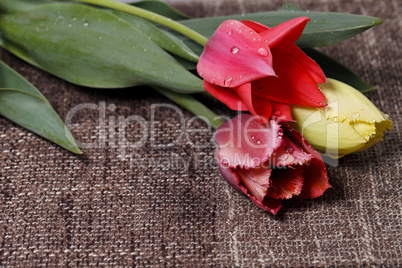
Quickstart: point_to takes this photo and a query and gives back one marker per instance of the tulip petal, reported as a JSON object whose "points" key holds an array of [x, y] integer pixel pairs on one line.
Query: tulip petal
{"points": [[263, 108], [226, 95], [244, 142], [287, 32], [235, 54], [288, 154], [285, 183], [256, 26], [292, 86], [227, 173], [263, 113], [256, 180], [308, 64], [315, 176], [281, 111], [268, 204]]}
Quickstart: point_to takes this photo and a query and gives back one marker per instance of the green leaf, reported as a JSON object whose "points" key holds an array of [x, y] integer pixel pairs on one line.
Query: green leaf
{"points": [[290, 7], [336, 70], [91, 47], [23, 104], [162, 38], [161, 8], [193, 105], [325, 28], [13, 6]]}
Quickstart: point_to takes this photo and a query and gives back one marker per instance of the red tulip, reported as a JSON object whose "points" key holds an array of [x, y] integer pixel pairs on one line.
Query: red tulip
{"points": [[268, 162], [249, 66]]}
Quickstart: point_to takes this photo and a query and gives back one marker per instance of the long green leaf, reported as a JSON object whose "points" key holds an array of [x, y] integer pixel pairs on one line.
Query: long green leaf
{"points": [[338, 71], [23, 104], [160, 37], [325, 28], [161, 8], [13, 6], [90, 47]]}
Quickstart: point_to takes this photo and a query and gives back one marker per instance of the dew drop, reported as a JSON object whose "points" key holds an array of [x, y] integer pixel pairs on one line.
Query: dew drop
{"points": [[70, 25], [74, 19], [145, 49], [278, 113], [234, 50], [252, 137], [230, 32], [279, 137], [258, 141], [355, 115], [100, 37], [224, 162], [86, 24], [262, 52], [228, 81], [290, 150]]}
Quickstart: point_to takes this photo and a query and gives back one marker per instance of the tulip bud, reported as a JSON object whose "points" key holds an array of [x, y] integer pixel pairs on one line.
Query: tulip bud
{"points": [[349, 123]]}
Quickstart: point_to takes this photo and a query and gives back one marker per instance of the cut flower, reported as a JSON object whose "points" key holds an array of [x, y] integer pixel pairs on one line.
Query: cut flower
{"points": [[249, 66], [350, 123], [268, 162]]}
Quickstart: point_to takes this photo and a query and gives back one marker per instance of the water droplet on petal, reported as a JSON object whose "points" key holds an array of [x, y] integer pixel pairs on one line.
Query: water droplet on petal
{"points": [[355, 115], [258, 141], [290, 150], [224, 162], [234, 50], [228, 81], [230, 32], [252, 137], [277, 113], [262, 52]]}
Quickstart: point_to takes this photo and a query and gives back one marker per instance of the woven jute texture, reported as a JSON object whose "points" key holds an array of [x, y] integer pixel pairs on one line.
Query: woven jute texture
{"points": [[145, 193]]}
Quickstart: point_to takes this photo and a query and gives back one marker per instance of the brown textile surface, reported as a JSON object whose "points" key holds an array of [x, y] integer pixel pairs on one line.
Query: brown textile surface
{"points": [[170, 206]]}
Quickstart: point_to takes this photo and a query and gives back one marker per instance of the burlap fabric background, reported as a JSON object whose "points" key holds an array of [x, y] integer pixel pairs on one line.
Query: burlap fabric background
{"points": [[169, 206]]}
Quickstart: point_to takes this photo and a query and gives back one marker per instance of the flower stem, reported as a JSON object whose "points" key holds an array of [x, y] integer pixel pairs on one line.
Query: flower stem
{"points": [[152, 16], [193, 105]]}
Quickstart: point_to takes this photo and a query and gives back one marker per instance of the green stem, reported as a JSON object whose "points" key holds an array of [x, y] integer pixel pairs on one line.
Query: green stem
{"points": [[191, 104], [152, 16]]}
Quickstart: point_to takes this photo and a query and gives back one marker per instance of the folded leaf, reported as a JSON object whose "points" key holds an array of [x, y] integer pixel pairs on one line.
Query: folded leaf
{"points": [[90, 47], [162, 38], [336, 70], [23, 104], [325, 28], [161, 8]]}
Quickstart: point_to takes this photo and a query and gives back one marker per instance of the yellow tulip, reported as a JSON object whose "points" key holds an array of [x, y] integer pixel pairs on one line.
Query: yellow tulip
{"points": [[349, 123]]}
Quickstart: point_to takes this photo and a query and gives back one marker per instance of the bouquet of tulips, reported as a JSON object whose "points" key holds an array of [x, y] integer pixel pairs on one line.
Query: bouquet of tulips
{"points": [[295, 99]]}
